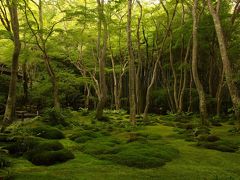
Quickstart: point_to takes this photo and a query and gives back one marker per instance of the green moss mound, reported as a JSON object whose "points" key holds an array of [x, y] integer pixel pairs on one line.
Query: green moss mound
{"points": [[47, 132], [221, 145], [49, 146], [101, 146], [139, 154], [208, 138], [82, 136], [21, 145], [50, 157]]}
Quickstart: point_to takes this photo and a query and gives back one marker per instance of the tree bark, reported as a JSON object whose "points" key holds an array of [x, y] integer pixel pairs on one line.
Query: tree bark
{"points": [[199, 86], [101, 59], [154, 74], [227, 68], [132, 96], [9, 114]]}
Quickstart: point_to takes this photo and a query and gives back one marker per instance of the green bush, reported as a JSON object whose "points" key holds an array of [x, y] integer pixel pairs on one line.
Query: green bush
{"points": [[54, 117], [50, 157], [47, 132]]}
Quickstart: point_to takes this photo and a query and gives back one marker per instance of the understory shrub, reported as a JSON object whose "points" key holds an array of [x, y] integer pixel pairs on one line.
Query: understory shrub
{"points": [[47, 132], [4, 162], [54, 117]]}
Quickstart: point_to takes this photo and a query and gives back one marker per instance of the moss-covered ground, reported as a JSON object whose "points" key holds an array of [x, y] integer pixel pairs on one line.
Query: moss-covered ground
{"points": [[191, 162]]}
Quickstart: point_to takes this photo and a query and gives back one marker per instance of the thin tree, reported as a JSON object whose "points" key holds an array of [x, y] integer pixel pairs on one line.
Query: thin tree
{"points": [[101, 55], [12, 26], [132, 96], [199, 86], [227, 67]]}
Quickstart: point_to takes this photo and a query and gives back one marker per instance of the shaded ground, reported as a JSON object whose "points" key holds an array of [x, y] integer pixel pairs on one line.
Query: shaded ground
{"points": [[193, 162]]}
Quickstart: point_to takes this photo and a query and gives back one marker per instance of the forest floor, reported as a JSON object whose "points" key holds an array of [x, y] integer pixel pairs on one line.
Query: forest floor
{"points": [[193, 162]]}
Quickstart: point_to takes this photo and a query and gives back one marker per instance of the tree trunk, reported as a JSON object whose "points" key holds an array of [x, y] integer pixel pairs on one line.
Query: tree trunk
{"points": [[226, 62], [154, 74], [101, 59], [132, 102], [53, 81], [201, 93], [180, 107], [25, 81], [9, 114]]}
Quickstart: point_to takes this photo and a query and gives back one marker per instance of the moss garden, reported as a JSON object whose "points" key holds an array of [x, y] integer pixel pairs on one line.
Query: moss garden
{"points": [[119, 90], [167, 147]]}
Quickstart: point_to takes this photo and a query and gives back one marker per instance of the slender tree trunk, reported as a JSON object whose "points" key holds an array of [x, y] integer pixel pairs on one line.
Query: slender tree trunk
{"points": [[181, 97], [155, 68], [25, 81], [101, 59], [175, 95], [201, 93], [54, 81], [132, 101], [226, 62], [219, 93], [190, 92], [9, 114]]}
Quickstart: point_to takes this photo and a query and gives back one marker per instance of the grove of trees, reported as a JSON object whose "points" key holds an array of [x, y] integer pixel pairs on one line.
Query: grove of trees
{"points": [[166, 56]]}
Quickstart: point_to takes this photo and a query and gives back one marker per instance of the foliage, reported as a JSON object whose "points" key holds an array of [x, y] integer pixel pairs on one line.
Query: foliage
{"points": [[55, 117], [47, 132]]}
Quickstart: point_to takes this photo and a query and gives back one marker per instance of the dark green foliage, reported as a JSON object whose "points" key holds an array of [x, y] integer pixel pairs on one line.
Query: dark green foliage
{"points": [[234, 130], [208, 138], [201, 130], [216, 121], [4, 138], [50, 157], [221, 145], [84, 111], [104, 119], [47, 132], [55, 117], [21, 145], [4, 162]]}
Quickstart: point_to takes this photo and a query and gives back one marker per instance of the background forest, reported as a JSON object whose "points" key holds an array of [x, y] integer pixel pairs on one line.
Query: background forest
{"points": [[173, 62]]}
